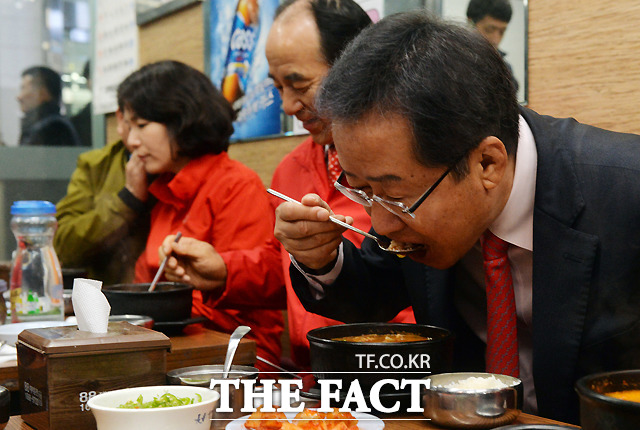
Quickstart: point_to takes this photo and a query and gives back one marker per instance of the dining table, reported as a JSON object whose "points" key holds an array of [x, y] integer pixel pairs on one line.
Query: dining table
{"points": [[404, 422], [196, 345]]}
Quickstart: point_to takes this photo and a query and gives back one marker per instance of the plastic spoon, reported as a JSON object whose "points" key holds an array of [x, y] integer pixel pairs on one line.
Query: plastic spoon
{"points": [[234, 340]]}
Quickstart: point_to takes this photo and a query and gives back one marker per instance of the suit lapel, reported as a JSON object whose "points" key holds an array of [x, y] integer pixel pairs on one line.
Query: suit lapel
{"points": [[563, 261], [563, 264]]}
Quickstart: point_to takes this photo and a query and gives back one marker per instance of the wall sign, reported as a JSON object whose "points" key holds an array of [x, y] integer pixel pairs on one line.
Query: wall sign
{"points": [[238, 66]]}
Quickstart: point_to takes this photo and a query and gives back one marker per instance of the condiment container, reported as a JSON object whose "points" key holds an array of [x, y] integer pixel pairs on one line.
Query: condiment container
{"points": [[36, 277], [61, 368]]}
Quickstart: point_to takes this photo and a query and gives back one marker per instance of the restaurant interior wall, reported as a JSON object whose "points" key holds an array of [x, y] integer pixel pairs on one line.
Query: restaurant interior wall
{"points": [[580, 63], [583, 61]]}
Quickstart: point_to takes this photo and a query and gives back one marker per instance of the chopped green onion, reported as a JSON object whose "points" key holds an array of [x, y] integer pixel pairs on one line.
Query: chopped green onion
{"points": [[167, 400]]}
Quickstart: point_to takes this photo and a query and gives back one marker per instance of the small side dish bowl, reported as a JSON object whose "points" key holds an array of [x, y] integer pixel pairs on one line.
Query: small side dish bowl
{"points": [[202, 376], [472, 400], [196, 416], [599, 410]]}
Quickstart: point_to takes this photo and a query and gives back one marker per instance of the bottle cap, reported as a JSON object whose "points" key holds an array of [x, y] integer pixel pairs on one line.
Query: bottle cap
{"points": [[33, 207]]}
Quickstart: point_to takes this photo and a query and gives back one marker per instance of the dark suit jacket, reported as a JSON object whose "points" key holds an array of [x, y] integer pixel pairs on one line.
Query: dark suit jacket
{"points": [[586, 266], [44, 126]]}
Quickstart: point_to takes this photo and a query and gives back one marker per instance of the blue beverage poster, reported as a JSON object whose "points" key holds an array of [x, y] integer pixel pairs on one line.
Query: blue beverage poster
{"points": [[238, 66]]}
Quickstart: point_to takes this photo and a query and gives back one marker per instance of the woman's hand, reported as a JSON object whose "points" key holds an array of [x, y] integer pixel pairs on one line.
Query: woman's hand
{"points": [[193, 262], [136, 178]]}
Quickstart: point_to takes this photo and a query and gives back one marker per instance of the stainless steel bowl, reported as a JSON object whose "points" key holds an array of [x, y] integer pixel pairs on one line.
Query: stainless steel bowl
{"points": [[139, 320], [68, 304], [202, 376], [471, 408]]}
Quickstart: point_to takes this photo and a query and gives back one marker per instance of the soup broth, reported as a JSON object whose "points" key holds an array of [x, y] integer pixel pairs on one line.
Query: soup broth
{"points": [[629, 395], [384, 338]]}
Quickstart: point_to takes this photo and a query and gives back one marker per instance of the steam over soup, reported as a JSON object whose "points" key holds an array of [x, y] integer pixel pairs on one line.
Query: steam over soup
{"points": [[384, 338]]}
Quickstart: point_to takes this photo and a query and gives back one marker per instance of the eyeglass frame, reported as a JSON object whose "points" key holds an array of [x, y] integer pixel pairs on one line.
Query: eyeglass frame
{"points": [[408, 210]]}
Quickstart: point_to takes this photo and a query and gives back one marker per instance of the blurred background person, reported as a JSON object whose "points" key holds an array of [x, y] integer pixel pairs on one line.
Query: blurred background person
{"points": [[305, 39], [180, 126], [103, 220], [491, 19], [39, 98]]}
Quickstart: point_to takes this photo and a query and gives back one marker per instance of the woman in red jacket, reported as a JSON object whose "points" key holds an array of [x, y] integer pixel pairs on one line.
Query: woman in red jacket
{"points": [[180, 129]]}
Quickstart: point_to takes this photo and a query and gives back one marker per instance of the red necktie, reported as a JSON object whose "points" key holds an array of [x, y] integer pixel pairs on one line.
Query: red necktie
{"points": [[502, 339], [333, 165]]}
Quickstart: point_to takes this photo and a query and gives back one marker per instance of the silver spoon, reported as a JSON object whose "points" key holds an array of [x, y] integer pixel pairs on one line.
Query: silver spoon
{"points": [[384, 244], [152, 287], [275, 366], [234, 340]]}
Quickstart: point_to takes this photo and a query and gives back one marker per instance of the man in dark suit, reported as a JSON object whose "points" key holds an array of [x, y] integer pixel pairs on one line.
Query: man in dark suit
{"points": [[39, 98], [433, 143]]}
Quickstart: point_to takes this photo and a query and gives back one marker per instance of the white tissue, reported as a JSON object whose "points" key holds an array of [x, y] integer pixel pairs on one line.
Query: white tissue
{"points": [[90, 305]]}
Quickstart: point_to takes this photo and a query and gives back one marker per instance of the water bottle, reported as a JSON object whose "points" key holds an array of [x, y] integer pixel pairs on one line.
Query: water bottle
{"points": [[36, 278]]}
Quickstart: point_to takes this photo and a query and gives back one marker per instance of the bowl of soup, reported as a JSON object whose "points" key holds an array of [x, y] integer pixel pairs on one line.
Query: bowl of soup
{"points": [[610, 400], [370, 352]]}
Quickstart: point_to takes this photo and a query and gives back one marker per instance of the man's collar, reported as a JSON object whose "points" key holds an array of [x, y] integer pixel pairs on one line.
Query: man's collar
{"points": [[515, 222]]}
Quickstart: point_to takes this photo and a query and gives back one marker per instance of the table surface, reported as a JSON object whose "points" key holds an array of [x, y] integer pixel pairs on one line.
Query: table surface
{"points": [[197, 345], [16, 423]]}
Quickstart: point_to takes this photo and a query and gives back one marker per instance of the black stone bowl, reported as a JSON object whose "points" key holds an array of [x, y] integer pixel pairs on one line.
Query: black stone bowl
{"points": [[170, 301], [370, 362], [5, 406], [599, 411]]}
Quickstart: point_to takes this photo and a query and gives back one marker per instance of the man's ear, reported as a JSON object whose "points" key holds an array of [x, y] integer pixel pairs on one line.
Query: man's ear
{"points": [[492, 161], [43, 95]]}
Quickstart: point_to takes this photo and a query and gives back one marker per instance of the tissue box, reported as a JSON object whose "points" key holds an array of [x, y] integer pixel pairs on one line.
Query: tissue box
{"points": [[61, 368]]}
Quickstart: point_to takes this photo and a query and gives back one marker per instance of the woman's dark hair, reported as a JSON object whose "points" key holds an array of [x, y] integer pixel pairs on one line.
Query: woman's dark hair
{"points": [[446, 80], [197, 116], [338, 21]]}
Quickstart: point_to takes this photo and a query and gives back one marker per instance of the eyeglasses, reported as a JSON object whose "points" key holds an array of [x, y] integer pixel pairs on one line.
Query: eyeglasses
{"points": [[397, 208]]}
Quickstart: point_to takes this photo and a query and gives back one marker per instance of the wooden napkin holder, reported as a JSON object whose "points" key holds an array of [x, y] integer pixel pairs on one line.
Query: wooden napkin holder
{"points": [[61, 368]]}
